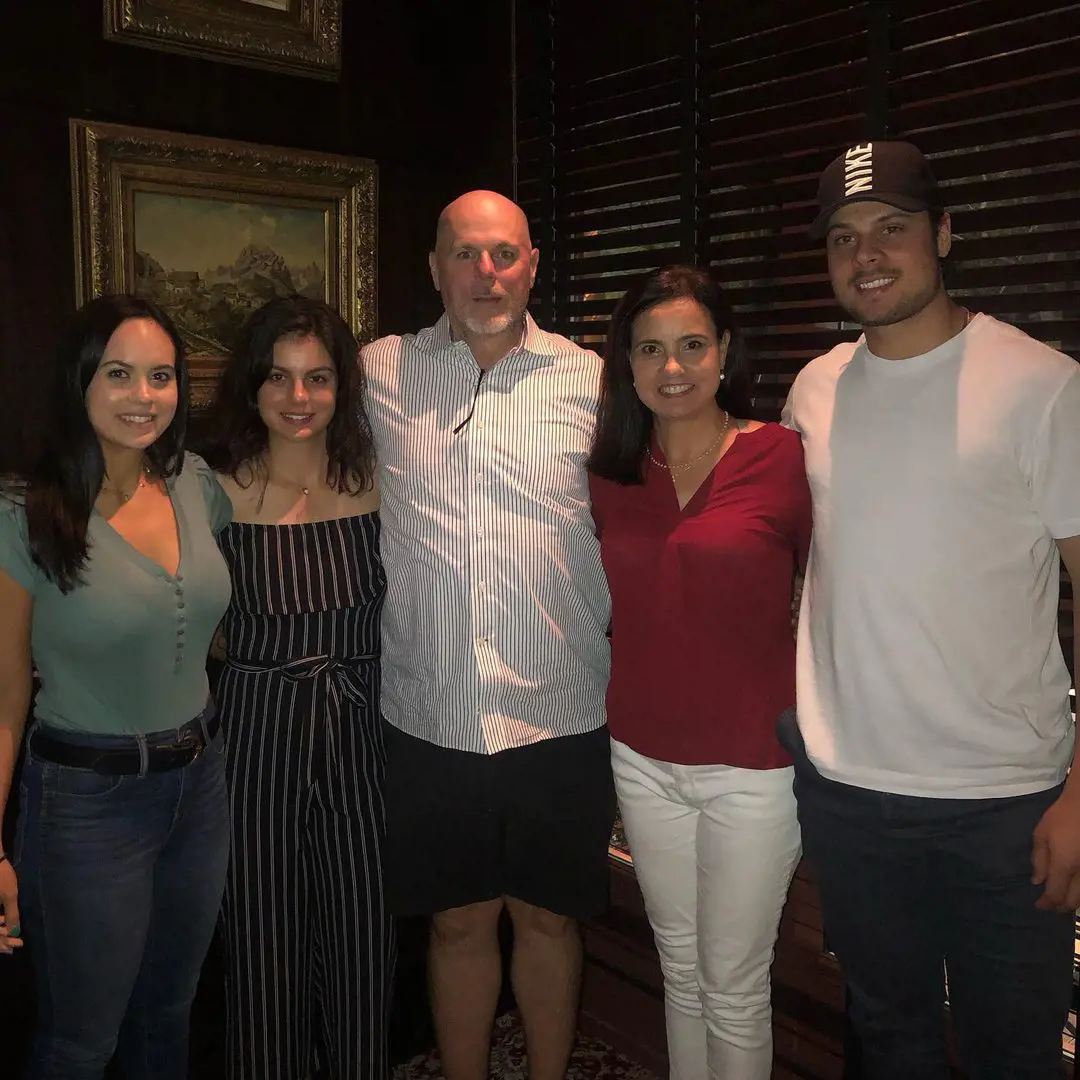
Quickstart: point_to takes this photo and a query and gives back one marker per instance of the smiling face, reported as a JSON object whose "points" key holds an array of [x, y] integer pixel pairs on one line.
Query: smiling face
{"points": [[883, 262], [676, 359], [298, 398], [132, 397], [483, 264]]}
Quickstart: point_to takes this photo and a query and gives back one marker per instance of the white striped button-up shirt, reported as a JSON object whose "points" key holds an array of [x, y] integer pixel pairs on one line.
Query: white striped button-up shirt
{"points": [[497, 607]]}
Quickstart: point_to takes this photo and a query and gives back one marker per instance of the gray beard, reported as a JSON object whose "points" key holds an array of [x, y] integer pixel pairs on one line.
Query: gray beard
{"points": [[498, 324]]}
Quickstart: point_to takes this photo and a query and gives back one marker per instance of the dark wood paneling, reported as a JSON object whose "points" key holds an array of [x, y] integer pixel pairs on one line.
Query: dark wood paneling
{"points": [[436, 123]]}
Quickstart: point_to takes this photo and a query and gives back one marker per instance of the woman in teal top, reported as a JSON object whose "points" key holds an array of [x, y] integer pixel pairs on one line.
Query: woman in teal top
{"points": [[111, 581]]}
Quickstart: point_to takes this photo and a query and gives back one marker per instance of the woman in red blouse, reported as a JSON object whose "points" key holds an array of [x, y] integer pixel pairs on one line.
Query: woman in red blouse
{"points": [[704, 519]]}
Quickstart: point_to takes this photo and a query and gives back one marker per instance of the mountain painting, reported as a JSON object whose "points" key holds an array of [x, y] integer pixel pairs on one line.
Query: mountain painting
{"points": [[211, 262]]}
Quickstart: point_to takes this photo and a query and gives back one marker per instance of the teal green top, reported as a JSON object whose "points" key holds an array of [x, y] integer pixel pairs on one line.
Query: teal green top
{"points": [[125, 652]]}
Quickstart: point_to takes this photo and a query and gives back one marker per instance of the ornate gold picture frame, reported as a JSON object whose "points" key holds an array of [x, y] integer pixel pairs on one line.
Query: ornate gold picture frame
{"points": [[210, 229], [302, 37]]}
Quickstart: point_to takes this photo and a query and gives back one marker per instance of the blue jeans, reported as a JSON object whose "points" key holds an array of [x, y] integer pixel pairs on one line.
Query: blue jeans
{"points": [[120, 883], [914, 888]]}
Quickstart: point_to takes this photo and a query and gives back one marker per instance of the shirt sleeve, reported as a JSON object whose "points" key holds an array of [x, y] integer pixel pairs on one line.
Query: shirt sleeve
{"points": [[1055, 479], [787, 417], [218, 504], [803, 525], [15, 558], [800, 516]]}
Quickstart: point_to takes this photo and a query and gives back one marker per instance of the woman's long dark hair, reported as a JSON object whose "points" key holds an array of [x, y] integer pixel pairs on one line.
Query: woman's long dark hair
{"points": [[60, 487], [239, 434], [624, 424]]}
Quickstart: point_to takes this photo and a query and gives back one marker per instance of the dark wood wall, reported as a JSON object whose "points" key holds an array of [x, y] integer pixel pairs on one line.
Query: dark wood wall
{"points": [[425, 92]]}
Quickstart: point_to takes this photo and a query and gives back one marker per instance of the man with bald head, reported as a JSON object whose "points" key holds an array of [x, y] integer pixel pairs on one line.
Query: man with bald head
{"points": [[495, 660]]}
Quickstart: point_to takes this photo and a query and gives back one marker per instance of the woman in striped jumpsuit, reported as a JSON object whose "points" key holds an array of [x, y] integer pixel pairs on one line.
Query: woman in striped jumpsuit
{"points": [[309, 945]]}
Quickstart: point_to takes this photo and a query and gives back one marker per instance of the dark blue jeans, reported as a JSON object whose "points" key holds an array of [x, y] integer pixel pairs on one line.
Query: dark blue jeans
{"points": [[120, 883], [912, 888]]}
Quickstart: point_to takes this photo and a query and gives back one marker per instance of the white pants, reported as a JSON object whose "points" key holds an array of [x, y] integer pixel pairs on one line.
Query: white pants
{"points": [[714, 850]]}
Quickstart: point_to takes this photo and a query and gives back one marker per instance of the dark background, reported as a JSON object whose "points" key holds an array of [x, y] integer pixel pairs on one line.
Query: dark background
{"points": [[423, 92]]}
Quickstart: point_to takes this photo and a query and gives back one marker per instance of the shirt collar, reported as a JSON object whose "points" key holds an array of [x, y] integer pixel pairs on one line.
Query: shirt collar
{"points": [[534, 341]]}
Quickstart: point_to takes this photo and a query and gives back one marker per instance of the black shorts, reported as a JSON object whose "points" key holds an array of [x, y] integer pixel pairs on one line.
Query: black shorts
{"points": [[533, 823]]}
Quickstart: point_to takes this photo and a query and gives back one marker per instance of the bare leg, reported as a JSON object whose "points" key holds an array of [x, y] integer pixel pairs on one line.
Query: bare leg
{"points": [[466, 977], [546, 972]]}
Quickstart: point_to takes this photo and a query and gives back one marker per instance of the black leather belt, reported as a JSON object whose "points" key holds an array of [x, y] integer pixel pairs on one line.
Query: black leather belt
{"points": [[126, 761]]}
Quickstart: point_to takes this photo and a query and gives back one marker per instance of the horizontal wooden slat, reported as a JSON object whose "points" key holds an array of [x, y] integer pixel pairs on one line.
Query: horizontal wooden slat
{"points": [[641, 100], [829, 82], [1057, 89], [630, 259], [927, 20], [578, 193], [622, 217], [1044, 183], [1002, 156], [825, 139], [780, 118], [624, 238], [990, 28], [760, 38], [570, 94], [639, 149], [619, 130], [1001, 69]]}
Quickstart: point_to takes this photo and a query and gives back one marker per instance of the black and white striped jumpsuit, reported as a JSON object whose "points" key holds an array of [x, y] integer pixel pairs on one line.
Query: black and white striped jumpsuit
{"points": [[309, 944]]}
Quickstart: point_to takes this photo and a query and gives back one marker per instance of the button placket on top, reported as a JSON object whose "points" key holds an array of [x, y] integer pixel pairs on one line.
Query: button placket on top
{"points": [[181, 620], [477, 461]]}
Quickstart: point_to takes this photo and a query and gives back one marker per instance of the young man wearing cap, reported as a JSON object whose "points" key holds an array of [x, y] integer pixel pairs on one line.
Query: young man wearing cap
{"points": [[934, 735]]}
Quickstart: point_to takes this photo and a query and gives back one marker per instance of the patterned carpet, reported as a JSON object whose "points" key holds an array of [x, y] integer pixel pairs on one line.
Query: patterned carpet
{"points": [[592, 1059]]}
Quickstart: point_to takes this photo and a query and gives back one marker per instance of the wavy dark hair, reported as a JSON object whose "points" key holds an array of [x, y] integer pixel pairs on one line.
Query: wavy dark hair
{"points": [[624, 423], [239, 434], [60, 487]]}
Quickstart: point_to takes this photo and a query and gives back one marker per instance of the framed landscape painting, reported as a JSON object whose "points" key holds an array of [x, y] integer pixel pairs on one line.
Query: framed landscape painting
{"points": [[212, 229], [301, 37]]}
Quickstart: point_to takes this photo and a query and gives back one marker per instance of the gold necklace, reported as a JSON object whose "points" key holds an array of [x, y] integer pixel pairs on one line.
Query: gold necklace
{"points": [[304, 490], [127, 496], [673, 469]]}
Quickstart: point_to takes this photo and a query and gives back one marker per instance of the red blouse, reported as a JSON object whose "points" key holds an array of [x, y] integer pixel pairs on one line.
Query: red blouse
{"points": [[703, 654]]}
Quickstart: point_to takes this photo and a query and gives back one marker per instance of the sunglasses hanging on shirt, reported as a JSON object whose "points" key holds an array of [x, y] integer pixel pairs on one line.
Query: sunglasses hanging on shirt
{"points": [[472, 408]]}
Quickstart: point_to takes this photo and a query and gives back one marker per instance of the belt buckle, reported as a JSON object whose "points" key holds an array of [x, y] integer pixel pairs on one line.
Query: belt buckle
{"points": [[193, 742]]}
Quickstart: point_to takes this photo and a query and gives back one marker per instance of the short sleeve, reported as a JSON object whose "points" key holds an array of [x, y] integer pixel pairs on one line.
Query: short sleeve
{"points": [[15, 559], [799, 520], [802, 512], [1055, 469], [218, 504], [787, 417]]}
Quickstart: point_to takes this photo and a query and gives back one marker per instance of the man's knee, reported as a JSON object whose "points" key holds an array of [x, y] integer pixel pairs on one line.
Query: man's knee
{"points": [[467, 925], [530, 920]]}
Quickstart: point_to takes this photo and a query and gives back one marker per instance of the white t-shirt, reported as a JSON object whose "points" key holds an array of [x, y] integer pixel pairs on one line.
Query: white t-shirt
{"points": [[928, 657]]}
